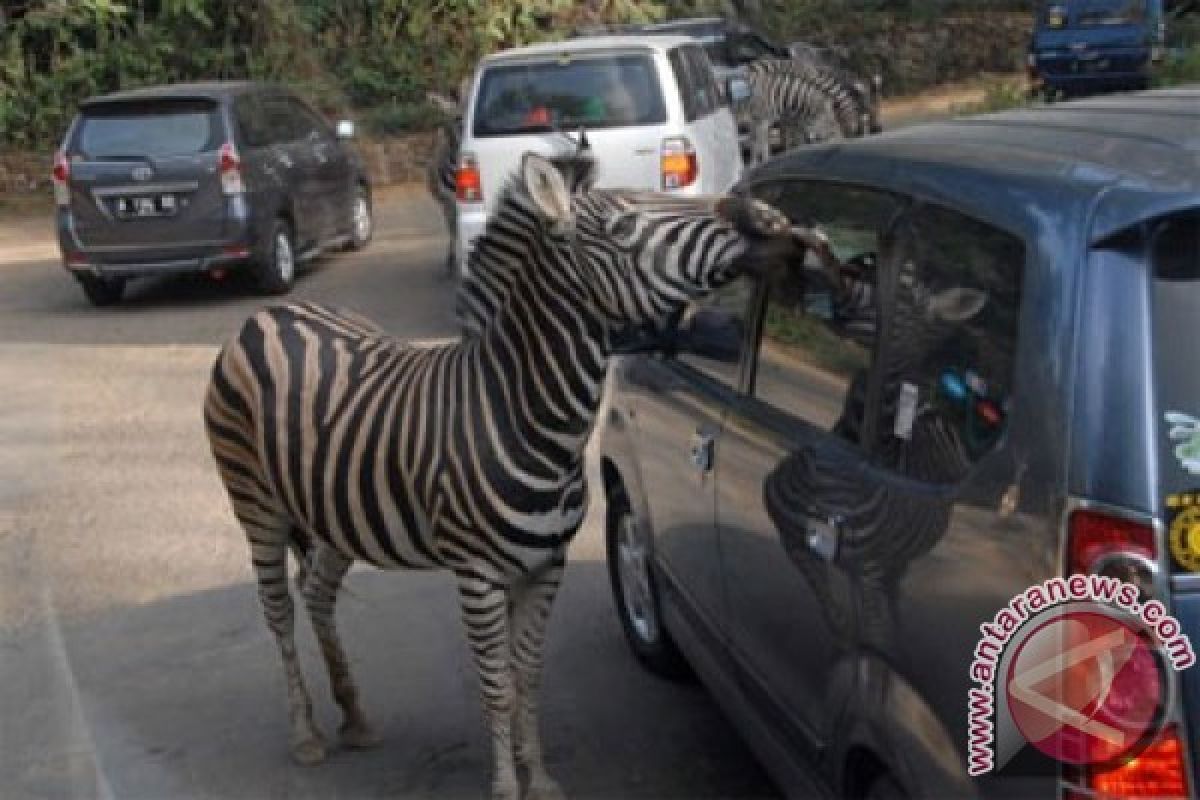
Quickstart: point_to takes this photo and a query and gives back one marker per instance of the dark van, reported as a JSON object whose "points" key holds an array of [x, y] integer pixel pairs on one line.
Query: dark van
{"points": [[825, 483], [1083, 46], [203, 177]]}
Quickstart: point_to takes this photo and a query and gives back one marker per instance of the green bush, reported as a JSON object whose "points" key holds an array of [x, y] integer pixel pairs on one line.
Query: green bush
{"points": [[401, 117], [1179, 67]]}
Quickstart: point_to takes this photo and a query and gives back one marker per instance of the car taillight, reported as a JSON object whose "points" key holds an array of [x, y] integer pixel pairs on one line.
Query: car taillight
{"points": [[468, 186], [679, 168], [59, 177], [1107, 544], [230, 168], [1159, 771]]}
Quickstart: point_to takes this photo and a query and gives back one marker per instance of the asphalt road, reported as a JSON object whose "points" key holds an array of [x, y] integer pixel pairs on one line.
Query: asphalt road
{"points": [[134, 662]]}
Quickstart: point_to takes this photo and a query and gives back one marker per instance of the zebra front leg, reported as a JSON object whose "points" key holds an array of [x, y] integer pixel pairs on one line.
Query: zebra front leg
{"points": [[529, 617], [327, 567], [268, 546], [485, 615]]}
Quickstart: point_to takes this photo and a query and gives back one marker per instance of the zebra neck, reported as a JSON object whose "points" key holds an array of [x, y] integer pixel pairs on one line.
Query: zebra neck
{"points": [[542, 364]]}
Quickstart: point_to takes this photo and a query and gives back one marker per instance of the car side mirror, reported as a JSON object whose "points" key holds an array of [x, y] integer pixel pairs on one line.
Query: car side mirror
{"points": [[710, 333], [345, 129], [737, 90]]}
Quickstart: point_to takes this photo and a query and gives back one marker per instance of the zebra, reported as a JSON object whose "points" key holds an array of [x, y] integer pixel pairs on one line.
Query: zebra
{"points": [[868, 92], [800, 97], [342, 444], [440, 175]]}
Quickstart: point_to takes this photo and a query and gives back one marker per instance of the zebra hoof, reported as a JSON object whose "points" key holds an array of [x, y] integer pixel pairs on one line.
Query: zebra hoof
{"points": [[309, 752], [358, 736]]}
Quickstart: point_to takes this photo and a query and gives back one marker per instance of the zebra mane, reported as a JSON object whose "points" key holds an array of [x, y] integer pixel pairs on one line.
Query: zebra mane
{"points": [[500, 255]]}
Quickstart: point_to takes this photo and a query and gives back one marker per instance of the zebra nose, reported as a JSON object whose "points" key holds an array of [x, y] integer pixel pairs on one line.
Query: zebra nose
{"points": [[752, 217]]}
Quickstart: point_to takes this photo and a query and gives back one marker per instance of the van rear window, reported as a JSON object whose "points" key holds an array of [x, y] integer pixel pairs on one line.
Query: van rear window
{"points": [[139, 130], [592, 91]]}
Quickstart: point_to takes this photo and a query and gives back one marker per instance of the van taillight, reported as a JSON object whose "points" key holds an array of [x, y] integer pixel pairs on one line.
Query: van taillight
{"points": [[59, 176], [1104, 543], [230, 168], [1159, 771], [468, 184], [679, 167]]}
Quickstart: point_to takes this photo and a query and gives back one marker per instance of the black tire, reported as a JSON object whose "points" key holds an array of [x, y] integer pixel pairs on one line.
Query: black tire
{"points": [[275, 270], [651, 643], [361, 230], [102, 291]]}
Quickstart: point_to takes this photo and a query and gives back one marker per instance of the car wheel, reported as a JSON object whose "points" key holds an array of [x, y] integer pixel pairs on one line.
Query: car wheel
{"points": [[276, 269], [362, 221], [102, 291], [636, 596]]}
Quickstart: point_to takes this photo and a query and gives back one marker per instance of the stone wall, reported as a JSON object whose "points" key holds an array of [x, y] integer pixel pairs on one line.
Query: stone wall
{"points": [[24, 172]]}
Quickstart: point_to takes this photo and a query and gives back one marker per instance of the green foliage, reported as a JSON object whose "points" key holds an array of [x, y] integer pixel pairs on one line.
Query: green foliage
{"points": [[1179, 67], [371, 54], [399, 117]]}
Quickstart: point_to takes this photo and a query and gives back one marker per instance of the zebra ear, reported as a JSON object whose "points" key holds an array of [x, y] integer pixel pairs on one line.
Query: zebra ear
{"points": [[958, 304], [548, 190]]}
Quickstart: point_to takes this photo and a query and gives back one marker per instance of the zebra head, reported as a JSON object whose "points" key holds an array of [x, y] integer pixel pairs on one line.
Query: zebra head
{"points": [[643, 254]]}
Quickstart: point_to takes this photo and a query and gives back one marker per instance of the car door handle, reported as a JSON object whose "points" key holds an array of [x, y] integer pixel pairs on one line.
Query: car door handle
{"points": [[702, 449]]}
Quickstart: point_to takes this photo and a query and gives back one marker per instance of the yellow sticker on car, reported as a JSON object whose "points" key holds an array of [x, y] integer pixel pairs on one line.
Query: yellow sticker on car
{"points": [[1183, 535]]}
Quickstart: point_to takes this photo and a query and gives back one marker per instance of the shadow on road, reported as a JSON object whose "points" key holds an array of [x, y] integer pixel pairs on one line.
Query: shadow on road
{"points": [[185, 698]]}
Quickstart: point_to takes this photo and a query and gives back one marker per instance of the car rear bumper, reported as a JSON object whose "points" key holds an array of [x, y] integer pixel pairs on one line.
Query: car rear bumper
{"points": [[139, 260]]}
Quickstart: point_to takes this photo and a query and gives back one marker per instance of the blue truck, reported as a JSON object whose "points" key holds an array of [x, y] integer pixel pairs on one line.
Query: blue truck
{"points": [[1083, 46]]}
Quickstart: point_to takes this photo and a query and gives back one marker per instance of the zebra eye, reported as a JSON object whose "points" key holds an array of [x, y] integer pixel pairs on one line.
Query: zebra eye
{"points": [[622, 226]]}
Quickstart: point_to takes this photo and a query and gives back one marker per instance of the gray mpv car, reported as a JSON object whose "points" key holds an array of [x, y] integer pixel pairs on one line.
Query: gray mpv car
{"points": [[822, 482], [204, 177]]}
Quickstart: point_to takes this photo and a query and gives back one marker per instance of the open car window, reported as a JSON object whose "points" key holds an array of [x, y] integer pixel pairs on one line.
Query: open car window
{"points": [[819, 325], [596, 91]]}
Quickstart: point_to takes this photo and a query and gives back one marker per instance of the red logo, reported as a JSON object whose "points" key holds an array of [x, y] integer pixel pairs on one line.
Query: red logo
{"points": [[1086, 688]]}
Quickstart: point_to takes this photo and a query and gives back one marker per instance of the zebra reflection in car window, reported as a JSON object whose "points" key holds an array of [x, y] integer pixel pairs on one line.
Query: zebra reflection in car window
{"points": [[944, 366]]}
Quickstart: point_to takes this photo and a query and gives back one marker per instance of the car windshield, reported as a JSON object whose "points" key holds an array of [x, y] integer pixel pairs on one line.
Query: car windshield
{"points": [[148, 130], [594, 91]]}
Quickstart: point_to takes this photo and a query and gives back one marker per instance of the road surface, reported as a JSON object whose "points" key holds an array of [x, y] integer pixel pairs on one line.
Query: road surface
{"points": [[134, 657]]}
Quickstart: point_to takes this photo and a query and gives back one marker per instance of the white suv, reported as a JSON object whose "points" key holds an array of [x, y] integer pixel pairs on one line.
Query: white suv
{"points": [[650, 106]]}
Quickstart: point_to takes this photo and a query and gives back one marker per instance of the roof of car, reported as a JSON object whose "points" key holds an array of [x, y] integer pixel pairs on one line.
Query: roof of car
{"points": [[1144, 146], [592, 43], [204, 89]]}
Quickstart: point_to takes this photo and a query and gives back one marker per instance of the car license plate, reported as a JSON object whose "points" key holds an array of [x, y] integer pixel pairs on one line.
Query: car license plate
{"points": [[158, 205]]}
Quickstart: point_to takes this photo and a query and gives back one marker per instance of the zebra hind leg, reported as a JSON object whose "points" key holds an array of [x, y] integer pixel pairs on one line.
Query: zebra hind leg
{"points": [[530, 613], [485, 615], [327, 567], [268, 545]]}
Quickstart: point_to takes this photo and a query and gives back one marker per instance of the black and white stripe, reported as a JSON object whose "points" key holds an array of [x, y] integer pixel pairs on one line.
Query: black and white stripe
{"points": [[807, 101], [345, 444]]}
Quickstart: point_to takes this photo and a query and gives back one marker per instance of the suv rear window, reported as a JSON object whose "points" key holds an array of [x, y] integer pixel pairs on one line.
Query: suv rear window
{"points": [[159, 128], [594, 91]]}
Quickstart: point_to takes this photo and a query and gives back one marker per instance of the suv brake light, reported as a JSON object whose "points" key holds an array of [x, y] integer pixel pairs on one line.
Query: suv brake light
{"points": [[59, 177], [1107, 544], [230, 168], [679, 167], [468, 184]]}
